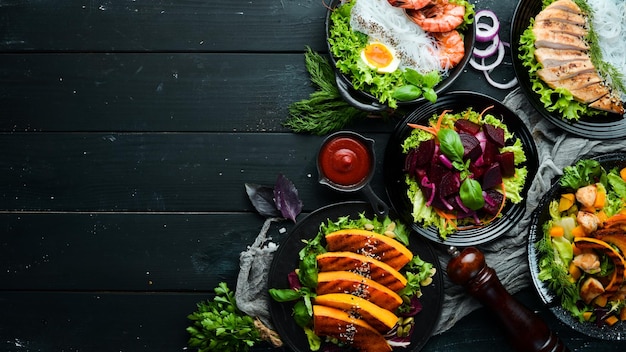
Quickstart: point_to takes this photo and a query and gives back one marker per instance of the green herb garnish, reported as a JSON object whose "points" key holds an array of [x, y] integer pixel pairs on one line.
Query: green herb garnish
{"points": [[218, 325]]}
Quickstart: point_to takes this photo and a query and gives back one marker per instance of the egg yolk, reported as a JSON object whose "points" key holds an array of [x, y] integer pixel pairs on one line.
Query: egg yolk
{"points": [[378, 55]]}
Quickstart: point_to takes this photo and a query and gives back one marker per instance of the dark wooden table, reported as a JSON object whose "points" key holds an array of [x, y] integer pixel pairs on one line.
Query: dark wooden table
{"points": [[127, 132]]}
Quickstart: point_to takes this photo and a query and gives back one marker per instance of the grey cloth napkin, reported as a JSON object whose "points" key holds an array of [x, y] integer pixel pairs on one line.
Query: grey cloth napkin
{"points": [[507, 255]]}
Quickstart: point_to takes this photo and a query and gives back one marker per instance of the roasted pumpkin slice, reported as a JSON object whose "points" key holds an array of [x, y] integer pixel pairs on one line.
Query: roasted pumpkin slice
{"points": [[608, 250], [363, 265], [333, 322], [358, 285], [613, 236], [379, 318], [371, 244]]}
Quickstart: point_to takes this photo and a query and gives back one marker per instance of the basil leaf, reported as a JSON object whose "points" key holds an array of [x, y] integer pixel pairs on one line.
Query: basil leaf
{"points": [[284, 295], [450, 143], [408, 92], [431, 79], [262, 198], [472, 194], [413, 77], [301, 314], [430, 94], [286, 198], [308, 270]]}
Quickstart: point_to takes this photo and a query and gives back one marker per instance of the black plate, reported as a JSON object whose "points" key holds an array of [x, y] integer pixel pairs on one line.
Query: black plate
{"points": [[394, 167], [539, 217], [366, 100], [594, 127], [286, 260]]}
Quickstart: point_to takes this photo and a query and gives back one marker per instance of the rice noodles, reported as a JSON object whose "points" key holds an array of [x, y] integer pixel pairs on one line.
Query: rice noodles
{"points": [[609, 24], [391, 26]]}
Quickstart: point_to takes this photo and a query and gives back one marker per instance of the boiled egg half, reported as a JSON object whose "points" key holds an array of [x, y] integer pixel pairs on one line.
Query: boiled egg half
{"points": [[380, 57]]}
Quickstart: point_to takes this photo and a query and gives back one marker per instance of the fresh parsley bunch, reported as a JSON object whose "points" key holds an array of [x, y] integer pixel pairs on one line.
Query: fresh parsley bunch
{"points": [[218, 325]]}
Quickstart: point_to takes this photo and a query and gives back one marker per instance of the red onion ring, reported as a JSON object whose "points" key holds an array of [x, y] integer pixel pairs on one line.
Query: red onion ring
{"points": [[488, 51], [510, 84], [482, 66], [486, 33]]}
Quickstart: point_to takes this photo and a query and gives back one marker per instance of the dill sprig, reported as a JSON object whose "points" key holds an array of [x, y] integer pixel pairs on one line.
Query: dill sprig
{"points": [[324, 111]]}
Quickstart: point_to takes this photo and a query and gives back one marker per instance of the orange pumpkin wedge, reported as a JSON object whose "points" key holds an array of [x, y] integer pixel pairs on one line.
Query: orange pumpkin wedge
{"points": [[366, 266], [379, 318], [358, 285], [607, 249], [371, 244], [333, 322]]}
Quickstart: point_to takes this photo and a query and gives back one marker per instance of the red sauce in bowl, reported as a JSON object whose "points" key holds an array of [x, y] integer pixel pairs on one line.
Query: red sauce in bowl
{"points": [[345, 161]]}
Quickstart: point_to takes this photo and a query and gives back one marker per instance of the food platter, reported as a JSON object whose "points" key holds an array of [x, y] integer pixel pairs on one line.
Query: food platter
{"points": [[597, 127], [286, 260], [539, 217], [365, 100], [394, 175]]}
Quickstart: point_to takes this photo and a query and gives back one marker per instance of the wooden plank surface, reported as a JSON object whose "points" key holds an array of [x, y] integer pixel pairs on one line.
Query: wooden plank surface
{"points": [[127, 132]]}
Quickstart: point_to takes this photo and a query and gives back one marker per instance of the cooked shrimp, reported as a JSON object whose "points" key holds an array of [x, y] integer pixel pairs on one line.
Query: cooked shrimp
{"points": [[587, 262], [441, 16], [410, 4], [587, 195], [451, 48]]}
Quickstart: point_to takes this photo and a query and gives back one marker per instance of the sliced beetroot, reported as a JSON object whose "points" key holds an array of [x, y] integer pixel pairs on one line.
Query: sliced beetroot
{"points": [[425, 152], [477, 171], [450, 184], [467, 126], [436, 172], [490, 153], [492, 176], [493, 201], [494, 134], [471, 146], [507, 163]]}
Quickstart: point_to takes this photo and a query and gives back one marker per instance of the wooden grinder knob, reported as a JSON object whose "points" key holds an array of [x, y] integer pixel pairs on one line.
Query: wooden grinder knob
{"points": [[525, 330]]}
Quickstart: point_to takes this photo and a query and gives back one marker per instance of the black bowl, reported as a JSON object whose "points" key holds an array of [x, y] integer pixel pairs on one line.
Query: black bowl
{"points": [[549, 297], [286, 259], [594, 127], [366, 101], [395, 176]]}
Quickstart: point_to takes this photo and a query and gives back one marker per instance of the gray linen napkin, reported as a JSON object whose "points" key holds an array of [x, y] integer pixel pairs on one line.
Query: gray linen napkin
{"points": [[507, 255]]}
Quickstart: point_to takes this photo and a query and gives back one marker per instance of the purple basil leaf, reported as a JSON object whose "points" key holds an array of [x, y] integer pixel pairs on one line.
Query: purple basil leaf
{"points": [[262, 198], [286, 198]]}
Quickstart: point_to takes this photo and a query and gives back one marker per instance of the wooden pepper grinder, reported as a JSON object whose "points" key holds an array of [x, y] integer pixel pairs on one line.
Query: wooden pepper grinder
{"points": [[525, 330]]}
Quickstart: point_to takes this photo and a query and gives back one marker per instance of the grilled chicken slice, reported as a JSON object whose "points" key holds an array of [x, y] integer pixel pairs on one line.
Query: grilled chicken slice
{"points": [[566, 5], [576, 82], [562, 27], [609, 103], [557, 40], [590, 93], [565, 71], [549, 57], [556, 14]]}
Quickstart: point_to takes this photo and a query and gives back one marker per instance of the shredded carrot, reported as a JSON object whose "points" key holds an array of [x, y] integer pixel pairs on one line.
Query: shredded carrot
{"points": [[450, 218], [430, 130], [484, 111], [622, 173], [438, 126]]}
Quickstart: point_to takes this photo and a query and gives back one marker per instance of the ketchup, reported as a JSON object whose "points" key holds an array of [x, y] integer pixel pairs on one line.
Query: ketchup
{"points": [[345, 161]]}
